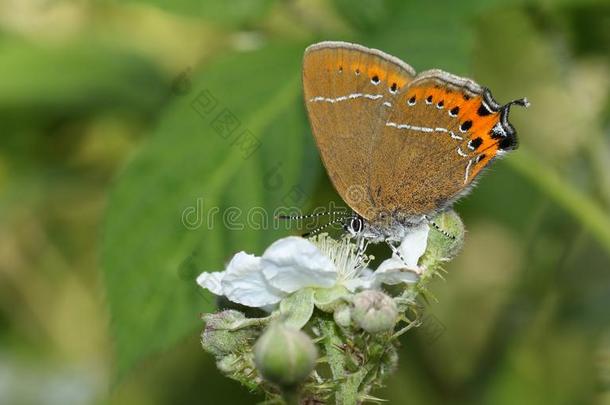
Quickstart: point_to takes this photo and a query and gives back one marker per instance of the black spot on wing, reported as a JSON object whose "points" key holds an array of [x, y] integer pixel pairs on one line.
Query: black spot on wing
{"points": [[466, 125], [476, 142], [483, 111]]}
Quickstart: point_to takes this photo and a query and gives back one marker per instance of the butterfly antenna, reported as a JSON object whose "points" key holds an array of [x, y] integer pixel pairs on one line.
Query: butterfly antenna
{"points": [[523, 102], [307, 216], [321, 228], [504, 111]]}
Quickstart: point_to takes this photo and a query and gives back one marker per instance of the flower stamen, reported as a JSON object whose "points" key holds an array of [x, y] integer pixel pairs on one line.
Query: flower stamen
{"points": [[344, 254]]}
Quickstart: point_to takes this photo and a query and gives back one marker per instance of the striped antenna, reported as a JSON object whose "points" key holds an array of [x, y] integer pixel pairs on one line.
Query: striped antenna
{"points": [[314, 215], [321, 228]]}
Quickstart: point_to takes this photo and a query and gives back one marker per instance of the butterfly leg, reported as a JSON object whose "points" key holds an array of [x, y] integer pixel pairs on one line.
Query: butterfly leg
{"points": [[395, 251], [362, 244]]}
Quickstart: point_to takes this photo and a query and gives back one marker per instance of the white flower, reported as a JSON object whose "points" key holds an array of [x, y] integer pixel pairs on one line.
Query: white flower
{"points": [[411, 249], [293, 263]]}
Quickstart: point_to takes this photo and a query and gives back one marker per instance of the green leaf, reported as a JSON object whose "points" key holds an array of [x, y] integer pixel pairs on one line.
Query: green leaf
{"points": [[425, 34], [170, 200], [426, 38], [365, 15], [76, 77]]}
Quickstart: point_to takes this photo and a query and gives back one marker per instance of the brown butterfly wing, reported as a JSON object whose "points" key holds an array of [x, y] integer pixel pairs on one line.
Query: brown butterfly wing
{"points": [[441, 132], [348, 89]]}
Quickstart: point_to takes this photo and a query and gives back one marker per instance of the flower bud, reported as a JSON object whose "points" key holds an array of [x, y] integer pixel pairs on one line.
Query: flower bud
{"points": [[374, 311], [342, 316], [220, 336], [446, 237], [284, 355]]}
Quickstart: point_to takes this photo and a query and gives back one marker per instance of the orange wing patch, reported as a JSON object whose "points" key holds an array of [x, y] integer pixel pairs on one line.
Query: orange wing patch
{"points": [[482, 130]]}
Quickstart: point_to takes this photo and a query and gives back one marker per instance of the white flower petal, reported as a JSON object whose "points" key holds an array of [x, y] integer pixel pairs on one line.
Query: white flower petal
{"points": [[366, 273], [360, 283], [292, 263], [364, 281], [269, 308], [414, 245], [244, 283], [211, 281], [394, 271], [393, 263]]}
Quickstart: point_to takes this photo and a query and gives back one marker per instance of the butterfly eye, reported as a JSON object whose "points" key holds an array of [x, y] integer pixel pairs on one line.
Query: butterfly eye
{"points": [[356, 224]]}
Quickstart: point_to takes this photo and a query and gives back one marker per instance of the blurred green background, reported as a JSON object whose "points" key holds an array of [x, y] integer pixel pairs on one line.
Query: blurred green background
{"points": [[117, 117]]}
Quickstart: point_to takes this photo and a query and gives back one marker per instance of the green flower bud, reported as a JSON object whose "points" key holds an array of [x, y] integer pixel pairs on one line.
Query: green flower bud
{"points": [[219, 336], [284, 355], [445, 239], [342, 316], [374, 311]]}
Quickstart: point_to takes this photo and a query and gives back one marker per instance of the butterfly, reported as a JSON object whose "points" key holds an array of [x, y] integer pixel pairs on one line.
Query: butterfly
{"points": [[399, 146]]}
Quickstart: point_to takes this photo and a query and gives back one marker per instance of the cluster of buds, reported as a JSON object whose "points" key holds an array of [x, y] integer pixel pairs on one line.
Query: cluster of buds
{"points": [[332, 329]]}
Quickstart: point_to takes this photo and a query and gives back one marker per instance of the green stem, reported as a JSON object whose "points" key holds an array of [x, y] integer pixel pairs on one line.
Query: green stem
{"points": [[592, 216], [332, 346], [253, 322], [411, 325], [349, 392], [348, 385], [291, 396]]}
